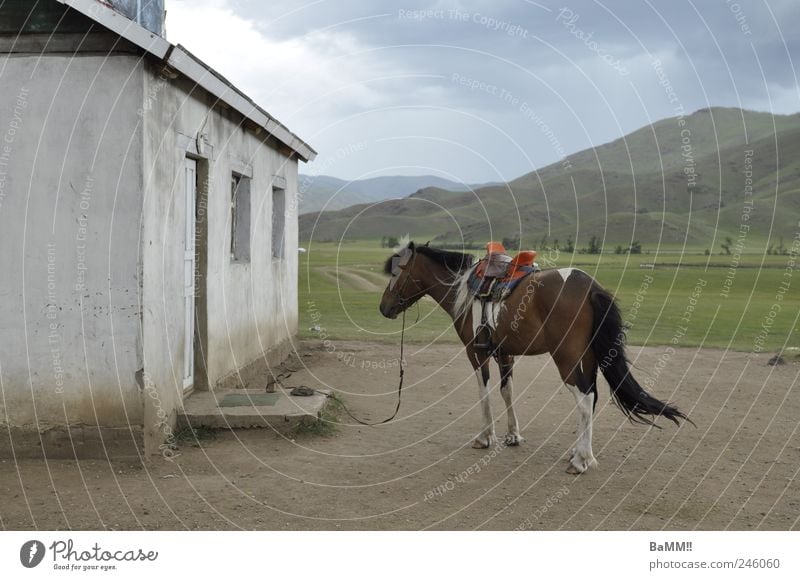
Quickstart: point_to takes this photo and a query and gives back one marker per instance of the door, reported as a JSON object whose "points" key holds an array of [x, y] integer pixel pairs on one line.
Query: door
{"points": [[189, 261]]}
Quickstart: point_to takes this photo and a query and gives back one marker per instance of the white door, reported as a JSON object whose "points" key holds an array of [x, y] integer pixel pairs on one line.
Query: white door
{"points": [[190, 187]]}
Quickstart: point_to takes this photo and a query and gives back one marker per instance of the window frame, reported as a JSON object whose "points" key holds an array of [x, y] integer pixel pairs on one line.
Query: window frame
{"points": [[279, 251], [240, 213]]}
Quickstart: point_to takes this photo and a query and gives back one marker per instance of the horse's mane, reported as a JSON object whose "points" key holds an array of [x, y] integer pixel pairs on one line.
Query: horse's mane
{"points": [[455, 262]]}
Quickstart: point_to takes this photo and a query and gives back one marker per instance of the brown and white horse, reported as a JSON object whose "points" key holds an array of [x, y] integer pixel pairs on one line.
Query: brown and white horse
{"points": [[563, 312]]}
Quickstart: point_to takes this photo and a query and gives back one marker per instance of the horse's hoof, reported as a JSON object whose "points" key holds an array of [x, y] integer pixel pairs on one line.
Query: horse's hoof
{"points": [[513, 439], [578, 464], [484, 442]]}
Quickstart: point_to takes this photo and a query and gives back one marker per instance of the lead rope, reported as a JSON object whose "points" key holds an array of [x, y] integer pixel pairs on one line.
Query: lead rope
{"points": [[399, 386]]}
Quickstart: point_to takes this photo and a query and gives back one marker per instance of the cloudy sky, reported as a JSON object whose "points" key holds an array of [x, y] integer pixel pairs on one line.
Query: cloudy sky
{"points": [[480, 90]]}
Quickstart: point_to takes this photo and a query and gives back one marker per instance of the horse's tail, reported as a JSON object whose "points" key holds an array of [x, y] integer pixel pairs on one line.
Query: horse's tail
{"points": [[608, 346]]}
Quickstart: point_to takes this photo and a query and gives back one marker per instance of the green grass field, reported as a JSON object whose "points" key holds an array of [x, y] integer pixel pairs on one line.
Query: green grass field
{"points": [[341, 286]]}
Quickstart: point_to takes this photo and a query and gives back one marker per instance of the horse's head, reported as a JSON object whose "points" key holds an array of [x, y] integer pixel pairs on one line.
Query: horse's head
{"points": [[404, 287]]}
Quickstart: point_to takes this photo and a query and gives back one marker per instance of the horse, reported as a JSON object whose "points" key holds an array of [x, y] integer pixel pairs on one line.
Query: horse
{"points": [[563, 312]]}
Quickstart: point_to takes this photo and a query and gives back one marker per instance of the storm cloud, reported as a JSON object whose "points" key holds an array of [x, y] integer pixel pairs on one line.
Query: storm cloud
{"points": [[485, 91]]}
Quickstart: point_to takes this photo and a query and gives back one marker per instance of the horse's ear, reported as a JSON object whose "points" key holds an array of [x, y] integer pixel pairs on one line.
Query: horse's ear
{"points": [[411, 246], [428, 243]]}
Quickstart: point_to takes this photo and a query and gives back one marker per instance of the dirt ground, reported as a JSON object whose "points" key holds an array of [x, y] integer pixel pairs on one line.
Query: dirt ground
{"points": [[738, 469]]}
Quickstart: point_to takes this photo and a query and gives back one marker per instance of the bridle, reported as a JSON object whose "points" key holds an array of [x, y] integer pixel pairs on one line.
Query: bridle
{"points": [[397, 293]]}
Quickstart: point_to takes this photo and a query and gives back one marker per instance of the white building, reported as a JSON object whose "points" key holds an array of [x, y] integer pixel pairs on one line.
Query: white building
{"points": [[148, 228]]}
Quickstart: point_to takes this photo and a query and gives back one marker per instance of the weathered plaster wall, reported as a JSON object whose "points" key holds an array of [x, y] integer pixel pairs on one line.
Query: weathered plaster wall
{"points": [[70, 206], [252, 308]]}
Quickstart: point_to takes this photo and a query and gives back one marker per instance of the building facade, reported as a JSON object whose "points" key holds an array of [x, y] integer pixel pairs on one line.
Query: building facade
{"points": [[148, 223]]}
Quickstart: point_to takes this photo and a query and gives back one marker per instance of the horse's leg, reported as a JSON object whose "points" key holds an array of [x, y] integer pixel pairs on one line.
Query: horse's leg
{"points": [[506, 364], [589, 366], [585, 393], [480, 362]]}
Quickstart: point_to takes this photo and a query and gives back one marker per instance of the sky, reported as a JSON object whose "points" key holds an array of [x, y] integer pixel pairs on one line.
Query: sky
{"points": [[479, 90]]}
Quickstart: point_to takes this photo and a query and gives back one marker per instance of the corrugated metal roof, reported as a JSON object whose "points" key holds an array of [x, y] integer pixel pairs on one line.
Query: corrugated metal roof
{"points": [[184, 62]]}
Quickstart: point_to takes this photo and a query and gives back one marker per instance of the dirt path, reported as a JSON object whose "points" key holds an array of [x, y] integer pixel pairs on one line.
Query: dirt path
{"points": [[738, 469], [353, 278]]}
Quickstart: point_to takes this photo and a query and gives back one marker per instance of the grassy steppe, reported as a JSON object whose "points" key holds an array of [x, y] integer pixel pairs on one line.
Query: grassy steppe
{"points": [[341, 286]]}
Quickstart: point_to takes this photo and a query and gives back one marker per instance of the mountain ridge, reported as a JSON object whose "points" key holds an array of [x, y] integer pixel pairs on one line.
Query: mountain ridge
{"points": [[674, 181], [325, 192]]}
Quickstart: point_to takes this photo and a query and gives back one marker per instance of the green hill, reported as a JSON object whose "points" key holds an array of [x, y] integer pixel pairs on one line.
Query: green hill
{"points": [[669, 183], [325, 193]]}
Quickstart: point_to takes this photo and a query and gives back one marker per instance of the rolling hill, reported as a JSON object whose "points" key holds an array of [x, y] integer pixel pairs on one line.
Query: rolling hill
{"points": [[325, 193], [676, 181]]}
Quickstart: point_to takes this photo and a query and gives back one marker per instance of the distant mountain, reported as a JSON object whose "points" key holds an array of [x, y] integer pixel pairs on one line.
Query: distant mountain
{"points": [[674, 180], [325, 193]]}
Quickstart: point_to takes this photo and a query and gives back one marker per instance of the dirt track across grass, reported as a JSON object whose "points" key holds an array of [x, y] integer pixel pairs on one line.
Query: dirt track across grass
{"points": [[738, 469]]}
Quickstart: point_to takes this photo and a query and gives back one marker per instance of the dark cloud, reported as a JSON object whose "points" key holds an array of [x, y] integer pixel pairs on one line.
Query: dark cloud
{"points": [[487, 75]]}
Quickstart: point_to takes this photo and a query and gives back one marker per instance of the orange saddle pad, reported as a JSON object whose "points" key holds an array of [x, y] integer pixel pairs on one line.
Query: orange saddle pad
{"points": [[498, 264]]}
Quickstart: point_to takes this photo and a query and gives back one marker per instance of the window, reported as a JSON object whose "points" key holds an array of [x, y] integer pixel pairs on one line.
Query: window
{"points": [[278, 222], [240, 218]]}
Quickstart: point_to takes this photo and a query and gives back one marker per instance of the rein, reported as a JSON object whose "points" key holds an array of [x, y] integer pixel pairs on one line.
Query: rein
{"points": [[402, 302], [399, 386]]}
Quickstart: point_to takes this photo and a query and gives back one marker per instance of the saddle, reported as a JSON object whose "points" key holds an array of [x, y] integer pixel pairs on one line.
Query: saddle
{"points": [[492, 280], [497, 274]]}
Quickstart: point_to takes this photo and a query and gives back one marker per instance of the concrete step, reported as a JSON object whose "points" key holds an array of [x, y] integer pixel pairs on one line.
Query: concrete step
{"points": [[250, 408]]}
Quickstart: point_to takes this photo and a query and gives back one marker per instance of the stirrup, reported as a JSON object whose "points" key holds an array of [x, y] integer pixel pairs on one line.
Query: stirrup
{"points": [[483, 331]]}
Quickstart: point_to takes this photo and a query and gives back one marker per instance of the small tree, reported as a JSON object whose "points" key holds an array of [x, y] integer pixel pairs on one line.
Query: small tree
{"points": [[570, 247], [594, 246], [636, 248], [726, 246], [618, 250]]}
